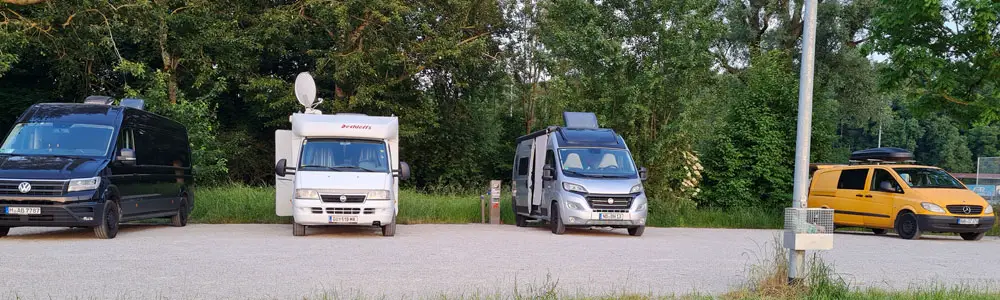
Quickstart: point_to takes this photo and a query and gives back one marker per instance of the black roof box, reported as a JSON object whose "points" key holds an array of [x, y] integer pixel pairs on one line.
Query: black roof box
{"points": [[882, 154]]}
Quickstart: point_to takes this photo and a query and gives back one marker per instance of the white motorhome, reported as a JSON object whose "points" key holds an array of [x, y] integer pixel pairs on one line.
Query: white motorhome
{"points": [[340, 169], [578, 175]]}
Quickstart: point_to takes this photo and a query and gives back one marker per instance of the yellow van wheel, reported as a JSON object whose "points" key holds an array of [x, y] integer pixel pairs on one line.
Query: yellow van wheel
{"points": [[972, 236], [907, 226]]}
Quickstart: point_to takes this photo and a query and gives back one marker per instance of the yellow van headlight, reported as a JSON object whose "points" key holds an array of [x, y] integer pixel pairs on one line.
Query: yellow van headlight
{"points": [[988, 210], [932, 207]]}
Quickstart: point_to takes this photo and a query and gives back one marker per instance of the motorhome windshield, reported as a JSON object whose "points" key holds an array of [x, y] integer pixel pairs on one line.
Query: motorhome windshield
{"points": [[928, 178], [344, 155], [62, 139], [597, 162]]}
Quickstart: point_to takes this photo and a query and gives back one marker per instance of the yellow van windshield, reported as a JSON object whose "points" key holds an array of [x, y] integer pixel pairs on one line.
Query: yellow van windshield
{"points": [[928, 178]]}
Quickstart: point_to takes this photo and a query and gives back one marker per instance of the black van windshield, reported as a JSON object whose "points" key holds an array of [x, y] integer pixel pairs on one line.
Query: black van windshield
{"points": [[597, 162], [62, 139], [343, 155], [928, 178]]}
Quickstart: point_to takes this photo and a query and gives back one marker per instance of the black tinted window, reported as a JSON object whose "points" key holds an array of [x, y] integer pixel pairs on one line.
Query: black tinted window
{"points": [[881, 176], [852, 179], [522, 166]]}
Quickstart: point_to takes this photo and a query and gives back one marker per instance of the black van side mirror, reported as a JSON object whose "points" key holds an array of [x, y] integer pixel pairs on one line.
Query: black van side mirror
{"points": [[126, 157], [281, 168], [643, 174], [548, 173], [404, 171]]}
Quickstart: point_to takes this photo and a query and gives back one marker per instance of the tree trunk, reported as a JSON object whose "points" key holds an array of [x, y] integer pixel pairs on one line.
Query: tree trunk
{"points": [[170, 62]]}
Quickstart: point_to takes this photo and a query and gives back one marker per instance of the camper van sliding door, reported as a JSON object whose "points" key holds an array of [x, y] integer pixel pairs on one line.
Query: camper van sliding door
{"points": [[286, 145], [522, 183], [538, 162]]}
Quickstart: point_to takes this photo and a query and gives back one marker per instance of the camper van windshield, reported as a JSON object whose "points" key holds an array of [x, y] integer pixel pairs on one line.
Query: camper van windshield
{"points": [[344, 155], [597, 162], [58, 139], [928, 178]]}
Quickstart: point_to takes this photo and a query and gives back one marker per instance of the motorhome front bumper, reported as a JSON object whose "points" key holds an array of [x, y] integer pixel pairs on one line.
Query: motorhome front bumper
{"points": [[583, 210], [77, 209], [317, 212]]}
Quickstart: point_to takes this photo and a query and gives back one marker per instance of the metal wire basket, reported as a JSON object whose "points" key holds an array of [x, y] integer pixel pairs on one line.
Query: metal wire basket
{"points": [[809, 220]]}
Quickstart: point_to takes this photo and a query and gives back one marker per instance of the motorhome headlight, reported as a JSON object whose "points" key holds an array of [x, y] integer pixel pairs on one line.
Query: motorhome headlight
{"points": [[988, 210], [572, 187], [642, 207], [573, 205], [378, 194], [306, 194], [83, 184], [932, 207], [636, 189]]}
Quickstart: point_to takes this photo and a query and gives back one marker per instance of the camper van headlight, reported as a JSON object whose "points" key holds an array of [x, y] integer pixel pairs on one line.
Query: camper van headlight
{"points": [[636, 189], [932, 207], [83, 184], [306, 194], [572, 187], [378, 195]]}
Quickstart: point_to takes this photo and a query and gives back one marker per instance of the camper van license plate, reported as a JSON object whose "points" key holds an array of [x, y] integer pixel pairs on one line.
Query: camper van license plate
{"points": [[22, 210], [611, 216], [968, 221], [343, 219]]}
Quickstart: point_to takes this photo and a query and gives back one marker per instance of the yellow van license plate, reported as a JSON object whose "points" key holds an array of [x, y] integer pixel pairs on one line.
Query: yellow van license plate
{"points": [[968, 221]]}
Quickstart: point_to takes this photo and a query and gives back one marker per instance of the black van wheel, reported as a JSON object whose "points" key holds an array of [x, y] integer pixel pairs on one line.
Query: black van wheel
{"points": [[878, 231], [907, 226], [520, 221], [4, 231], [636, 231], [389, 230], [298, 229], [109, 227], [557, 225], [972, 236], [181, 218]]}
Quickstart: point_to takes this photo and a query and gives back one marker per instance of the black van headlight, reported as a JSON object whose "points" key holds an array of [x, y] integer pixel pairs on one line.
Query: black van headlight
{"points": [[83, 184]]}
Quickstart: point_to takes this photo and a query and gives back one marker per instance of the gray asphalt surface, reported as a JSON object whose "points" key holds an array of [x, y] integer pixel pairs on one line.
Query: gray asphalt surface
{"points": [[266, 261]]}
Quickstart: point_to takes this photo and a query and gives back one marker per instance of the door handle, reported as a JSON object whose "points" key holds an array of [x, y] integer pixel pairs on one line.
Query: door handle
{"points": [[868, 196], [859, 195]]}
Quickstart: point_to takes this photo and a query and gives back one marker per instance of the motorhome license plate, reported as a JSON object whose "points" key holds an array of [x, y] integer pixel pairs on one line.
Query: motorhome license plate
{"points": [[968, 221], [611, 216], [22, 210], [343, 219]]}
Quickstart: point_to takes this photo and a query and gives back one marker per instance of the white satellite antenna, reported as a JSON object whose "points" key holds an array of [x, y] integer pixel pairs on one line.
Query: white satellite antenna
{"points": [[305, 92]]}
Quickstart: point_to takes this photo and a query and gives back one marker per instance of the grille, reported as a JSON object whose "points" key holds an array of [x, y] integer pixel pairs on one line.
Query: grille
{"points": [[961, 209], [48, 215], [611, 210], [617, 203], [38, 188], [28, 202], [343, 210], [350, 198]]}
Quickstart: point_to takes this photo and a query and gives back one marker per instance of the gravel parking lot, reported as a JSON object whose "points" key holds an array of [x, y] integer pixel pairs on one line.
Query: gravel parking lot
{"points": [[266, 261]]}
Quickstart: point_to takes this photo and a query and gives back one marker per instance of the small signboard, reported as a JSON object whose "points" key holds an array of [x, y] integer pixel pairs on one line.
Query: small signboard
{"points": [[495, 190]]}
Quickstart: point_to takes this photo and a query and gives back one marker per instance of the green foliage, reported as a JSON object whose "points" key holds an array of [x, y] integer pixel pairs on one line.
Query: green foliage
{"points": [[943, 146]]}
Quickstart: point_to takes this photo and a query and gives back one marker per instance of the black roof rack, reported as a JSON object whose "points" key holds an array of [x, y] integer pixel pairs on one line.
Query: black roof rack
{"points": [[881, 155]]}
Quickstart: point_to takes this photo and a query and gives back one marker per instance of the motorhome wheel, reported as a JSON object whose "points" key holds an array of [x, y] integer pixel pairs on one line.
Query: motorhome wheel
{"points": [[109, 226], [4, 231], [389, 230], [298, 229], [557, 225], [636, 231]]}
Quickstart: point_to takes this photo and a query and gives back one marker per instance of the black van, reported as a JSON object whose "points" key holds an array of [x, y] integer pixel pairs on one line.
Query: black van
{"points": [[94, 165]]}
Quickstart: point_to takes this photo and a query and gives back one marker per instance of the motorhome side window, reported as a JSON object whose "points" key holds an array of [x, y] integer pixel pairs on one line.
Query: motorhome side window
{"points": [[522, 166], [597, 162], [71, 139], [344, 155]]}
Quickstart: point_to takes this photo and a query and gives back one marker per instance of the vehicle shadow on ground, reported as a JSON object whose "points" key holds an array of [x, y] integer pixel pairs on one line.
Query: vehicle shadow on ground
{"points": [[41, 233], [344, 231], [932, 237], [583, 231]]}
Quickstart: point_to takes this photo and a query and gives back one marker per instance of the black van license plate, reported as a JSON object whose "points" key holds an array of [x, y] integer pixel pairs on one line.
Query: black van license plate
{"points": [[22, 210]]}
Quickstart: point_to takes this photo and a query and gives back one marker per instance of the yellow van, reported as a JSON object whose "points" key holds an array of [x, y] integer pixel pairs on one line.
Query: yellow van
{"points": [[911, 199]]}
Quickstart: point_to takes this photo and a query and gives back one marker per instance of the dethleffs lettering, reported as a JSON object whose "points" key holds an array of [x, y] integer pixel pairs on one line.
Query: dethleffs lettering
{"points": [[355, 126]]}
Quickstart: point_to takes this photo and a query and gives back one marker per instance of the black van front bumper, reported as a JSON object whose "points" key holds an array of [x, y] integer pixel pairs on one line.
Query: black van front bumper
{"points": [[950, 224], [78, 211]]}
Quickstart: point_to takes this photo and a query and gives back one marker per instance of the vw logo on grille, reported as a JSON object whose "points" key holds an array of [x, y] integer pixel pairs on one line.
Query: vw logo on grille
{"points": [[24, 187], [343, 198], [611, 200], [967, 210]]}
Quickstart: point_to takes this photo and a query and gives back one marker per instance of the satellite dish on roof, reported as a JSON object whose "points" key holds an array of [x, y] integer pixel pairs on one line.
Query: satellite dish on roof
{"points": [[305, 90]]}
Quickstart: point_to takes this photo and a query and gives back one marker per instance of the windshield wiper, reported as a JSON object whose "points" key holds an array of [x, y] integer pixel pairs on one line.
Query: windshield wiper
{"points": [[351, 168], [589, 175], [317, 166]]}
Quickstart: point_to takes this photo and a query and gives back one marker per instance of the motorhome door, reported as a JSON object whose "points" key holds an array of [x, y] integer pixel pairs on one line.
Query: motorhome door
{"points": [[538, 163], [286, 145]]}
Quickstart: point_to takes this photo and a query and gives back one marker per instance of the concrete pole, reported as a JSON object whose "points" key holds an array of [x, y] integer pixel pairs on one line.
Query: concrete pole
{"points": [[797, 258]]}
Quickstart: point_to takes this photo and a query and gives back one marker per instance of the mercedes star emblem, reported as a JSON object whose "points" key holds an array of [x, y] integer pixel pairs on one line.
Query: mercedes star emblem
{"points": [[24, 187], [967, 210], [343, 198]]}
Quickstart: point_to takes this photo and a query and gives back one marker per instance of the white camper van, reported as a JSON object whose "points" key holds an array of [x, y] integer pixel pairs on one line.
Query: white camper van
{"points": [[340, 169], [578, 175]]}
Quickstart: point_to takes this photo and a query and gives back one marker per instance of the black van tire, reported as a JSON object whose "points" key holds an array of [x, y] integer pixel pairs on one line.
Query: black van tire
{"points": [[298, 229], [556, 221], [520, 221], [636, 231], [907, 226], [389, 230], [4, 231], [181, 218], [972, 236], [879, 231], [108, 229]]}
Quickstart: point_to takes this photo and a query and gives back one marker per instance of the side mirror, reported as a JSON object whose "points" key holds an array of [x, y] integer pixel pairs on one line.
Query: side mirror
{"points": [[643, 173], [281, 167], [126, 157], [548, 174], [887, 186], [404, 170]]}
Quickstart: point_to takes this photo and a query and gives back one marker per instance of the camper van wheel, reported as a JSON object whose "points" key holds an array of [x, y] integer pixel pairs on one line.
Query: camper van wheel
{"points": [[298, 229], [109, 226], [181, 218], [520, 220], [556, 221], [877, 231], [389, 230], [972, 236], [636, 231], [907, 226], [4, 231]]}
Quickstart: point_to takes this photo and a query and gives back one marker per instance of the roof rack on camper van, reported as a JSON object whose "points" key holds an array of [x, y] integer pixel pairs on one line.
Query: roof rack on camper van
{"points": [[102, 100], [884, 155], [573, 120], [133, 103]]}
